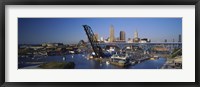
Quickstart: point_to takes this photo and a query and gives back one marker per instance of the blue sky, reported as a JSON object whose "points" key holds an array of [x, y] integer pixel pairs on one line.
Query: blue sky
{"points": [[70, 30]]}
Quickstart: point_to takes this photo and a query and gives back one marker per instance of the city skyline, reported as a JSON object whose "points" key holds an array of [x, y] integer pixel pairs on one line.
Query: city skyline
{"points": [[70, 30]]}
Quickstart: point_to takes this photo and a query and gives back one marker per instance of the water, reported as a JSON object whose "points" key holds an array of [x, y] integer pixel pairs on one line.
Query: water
{"points": [[81, 62], [150, 64]]}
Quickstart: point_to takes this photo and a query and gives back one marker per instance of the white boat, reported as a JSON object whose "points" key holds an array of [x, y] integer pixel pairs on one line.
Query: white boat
{"points": [[121, 59], [72, 52], [133, 62], [107, 62], [64, 58], [90, 57]]}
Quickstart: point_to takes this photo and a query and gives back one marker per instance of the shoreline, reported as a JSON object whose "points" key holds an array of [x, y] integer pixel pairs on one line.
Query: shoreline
{"points": [[106, 61], [171, 63]]}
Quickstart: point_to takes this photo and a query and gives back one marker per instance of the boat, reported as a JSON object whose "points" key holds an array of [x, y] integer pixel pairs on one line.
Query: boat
{"points": [[72, 52], [133, 62], [152, 58], [107, 62], [91, 57], [64, 58], [156, 56], [120, 60]]}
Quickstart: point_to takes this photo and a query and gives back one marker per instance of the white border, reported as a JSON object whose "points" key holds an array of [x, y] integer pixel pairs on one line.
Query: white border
{"points": [[187, 74]]}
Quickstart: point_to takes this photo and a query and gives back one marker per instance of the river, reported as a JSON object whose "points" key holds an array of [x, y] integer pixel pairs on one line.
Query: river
{"points": [[81, 62]]}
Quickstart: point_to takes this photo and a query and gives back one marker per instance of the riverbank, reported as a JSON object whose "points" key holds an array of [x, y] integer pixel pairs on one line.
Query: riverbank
{"points": [[32, 67], [82, 62], [58, 65], [173, 63], [52, 65]]}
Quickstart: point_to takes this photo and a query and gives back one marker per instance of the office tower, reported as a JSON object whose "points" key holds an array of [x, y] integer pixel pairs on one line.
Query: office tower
{"points": [[96, 36], [136, 34], [112, 37], [136, 39], [122, 35]]}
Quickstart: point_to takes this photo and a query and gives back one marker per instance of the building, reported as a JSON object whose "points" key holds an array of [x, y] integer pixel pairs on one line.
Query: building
{"points": [[122, 36], [165, 40], [112, 37], [179, 38], [136, 34], [144, 40], [36, 47], [136, 39], [44, 44], [52, 45], [130, 40], [96, 36], [117, 39], [58, 44], [102, 39]]}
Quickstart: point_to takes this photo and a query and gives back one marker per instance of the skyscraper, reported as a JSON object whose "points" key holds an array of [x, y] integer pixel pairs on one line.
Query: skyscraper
{"points": [[96, 36], [122, 35], [112, 37], [179, 38], [136, 39], [135, 34]]}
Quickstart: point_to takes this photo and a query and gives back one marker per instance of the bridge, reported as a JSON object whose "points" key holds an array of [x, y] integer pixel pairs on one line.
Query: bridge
{"points": [[98, 47], [145, 46]]}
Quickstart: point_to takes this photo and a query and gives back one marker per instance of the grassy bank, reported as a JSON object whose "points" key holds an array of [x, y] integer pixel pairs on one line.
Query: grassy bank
{"points": [[58, 65]]}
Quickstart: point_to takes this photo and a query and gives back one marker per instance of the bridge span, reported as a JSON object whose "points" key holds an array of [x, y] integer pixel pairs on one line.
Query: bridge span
{"points": [[144, 46]]}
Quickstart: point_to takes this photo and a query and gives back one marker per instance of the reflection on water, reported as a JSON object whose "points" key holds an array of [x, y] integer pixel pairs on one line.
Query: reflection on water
{"points": [[83, 63]]}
